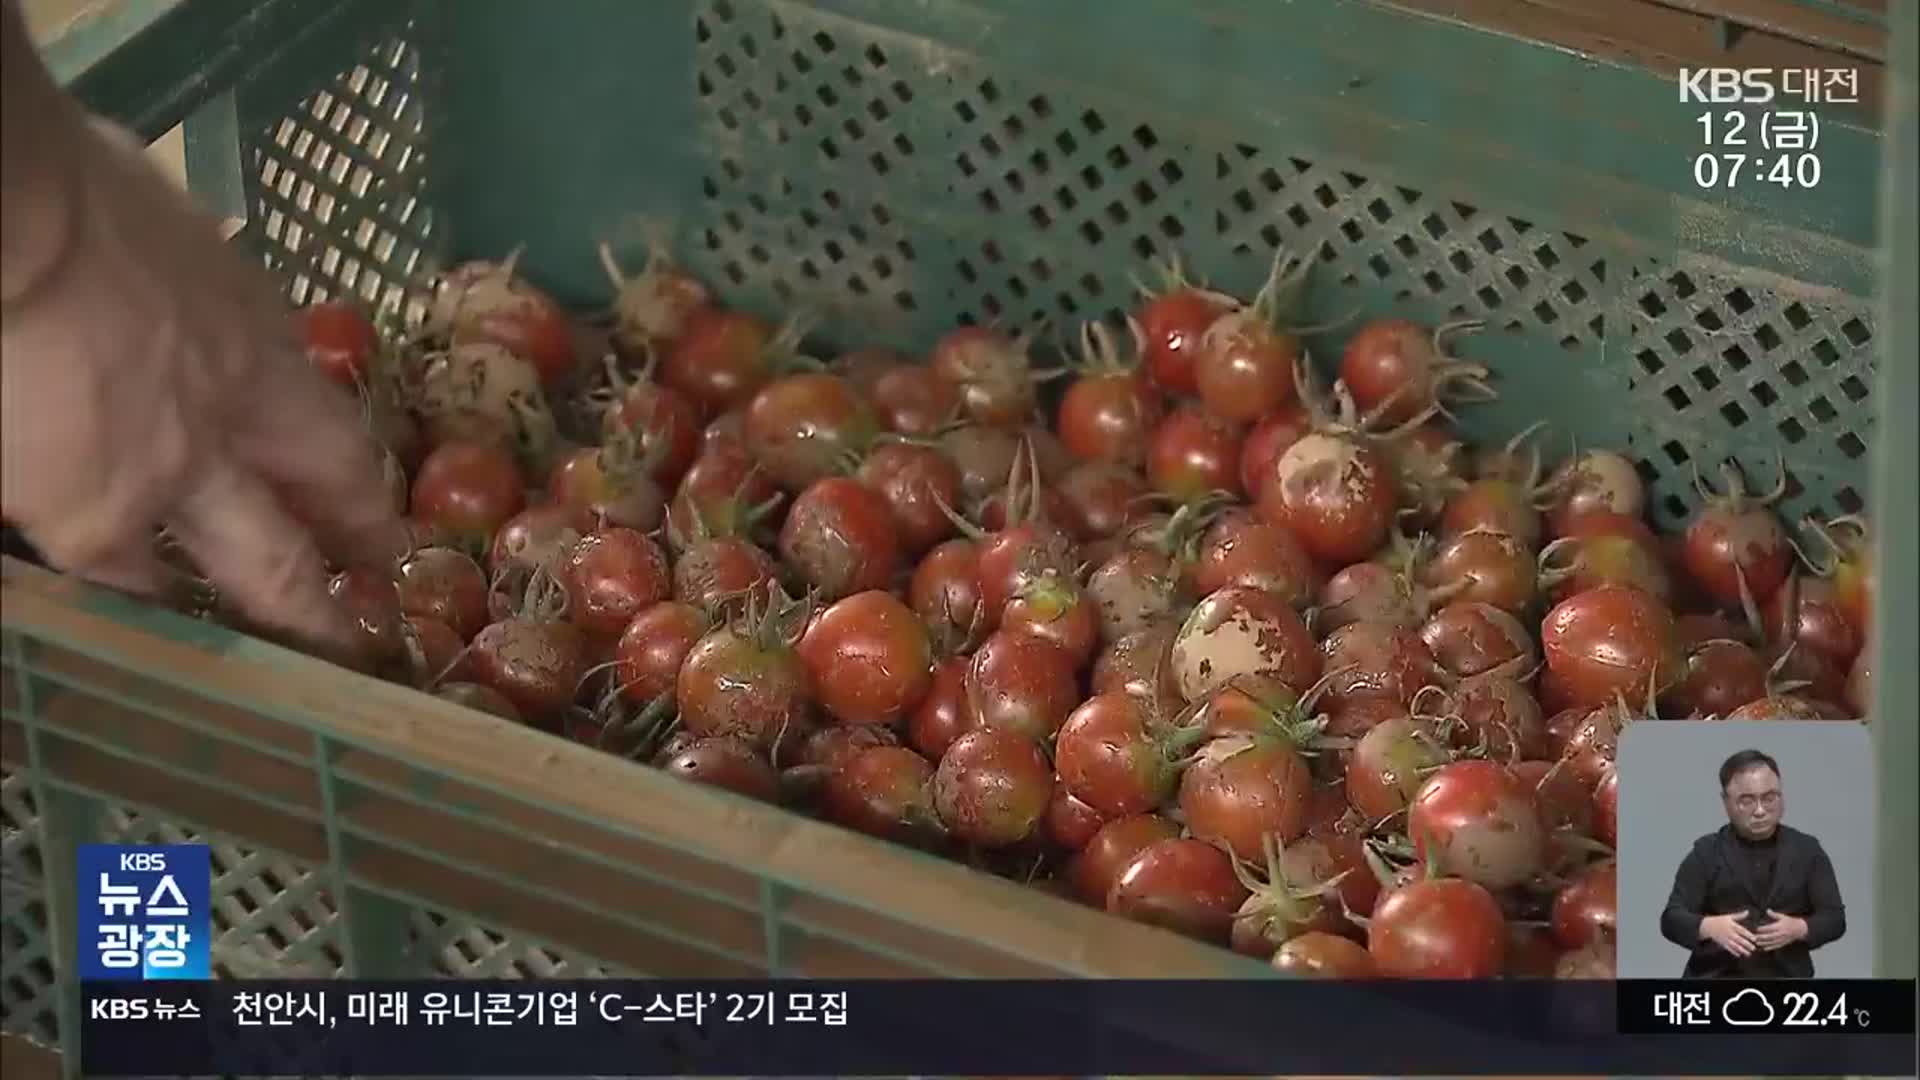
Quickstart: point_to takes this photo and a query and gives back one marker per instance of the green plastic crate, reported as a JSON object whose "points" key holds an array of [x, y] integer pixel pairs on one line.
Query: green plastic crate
{"points": [[893, 167]]}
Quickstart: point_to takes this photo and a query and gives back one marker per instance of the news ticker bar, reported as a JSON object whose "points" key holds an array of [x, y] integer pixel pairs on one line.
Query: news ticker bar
{"points": [[1082, 1027]]}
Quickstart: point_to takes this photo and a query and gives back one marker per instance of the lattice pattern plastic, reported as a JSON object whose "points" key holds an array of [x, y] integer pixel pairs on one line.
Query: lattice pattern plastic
{"points": [[905, 192], [465, 949], [335, 191], [27, 982]]}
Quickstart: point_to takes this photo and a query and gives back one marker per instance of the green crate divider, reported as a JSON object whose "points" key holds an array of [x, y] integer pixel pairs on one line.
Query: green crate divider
{"points": [[896, 167]]}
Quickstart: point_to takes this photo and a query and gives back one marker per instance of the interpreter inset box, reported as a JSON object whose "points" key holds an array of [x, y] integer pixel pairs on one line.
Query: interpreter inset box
{"points": [[1746, 850]]}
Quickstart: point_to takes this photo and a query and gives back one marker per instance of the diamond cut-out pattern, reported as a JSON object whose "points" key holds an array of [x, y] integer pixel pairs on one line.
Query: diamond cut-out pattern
{"points": [[1723, 367], [995, 199], [335, 190], [467, 950], [27, 983]]}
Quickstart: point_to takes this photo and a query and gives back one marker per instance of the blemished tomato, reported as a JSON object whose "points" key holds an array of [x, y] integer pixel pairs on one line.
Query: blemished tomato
{"points": [[870, 659], [884, 791], [1240, 550], [804, 427], [1735, 545], [945, 591], [540, 537], [1098, 499], [605, 484], [912, 399], [1245, 367], [1295, 898], [371, 602], [1239, 633], [1586, 909], [478, 697], [1110, 755], [991, 373], [1810, 613], [466, 491], [943, 715], [653, 646], [1468, 639], [840, 538], [1109, 411], [1318, 954], [651, 308], [722, 494], [1398, 369], [1271, 437], [1499, 715], [1604, 548], [1070, 823], [1022, 684], [435, 653], [916, 481], [611, 576], [992, 788], [1184, 885], [743, 680], [721, 359], [1376, 661], [1389, 763], [1438, 928], [725, 762], [1479, 821], [341, 341], [1608, 641], [444, 584], [662, 424], [485, 302], [1336, 494], [1241, 790], [722, 570], [1172, 324], [1100, 861], [1056, 611], [1721, 676], [1484, 566], [1596, 481], [1606, 809], [535, 663], [1194, 453]]}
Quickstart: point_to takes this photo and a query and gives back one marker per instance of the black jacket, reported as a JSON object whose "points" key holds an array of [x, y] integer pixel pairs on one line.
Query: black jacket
{"points": [[1710, 882]]}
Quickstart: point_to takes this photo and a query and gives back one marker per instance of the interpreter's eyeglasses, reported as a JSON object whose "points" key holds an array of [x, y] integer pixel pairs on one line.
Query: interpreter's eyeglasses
{"points": [[1769, 800]]}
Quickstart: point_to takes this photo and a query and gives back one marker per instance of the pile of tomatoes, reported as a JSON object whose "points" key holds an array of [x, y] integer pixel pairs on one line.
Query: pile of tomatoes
{"points": [[1282, 666]]}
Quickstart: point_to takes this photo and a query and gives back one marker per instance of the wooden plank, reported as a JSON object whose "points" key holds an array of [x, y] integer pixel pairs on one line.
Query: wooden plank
{"points": [[1797, 21]]}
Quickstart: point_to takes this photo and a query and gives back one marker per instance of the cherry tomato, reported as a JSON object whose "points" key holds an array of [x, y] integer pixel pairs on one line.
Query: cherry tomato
{"points": [[340, 340], [465, 491], [483, 302], [870, 659], [1335, 494], [1184, 885], [653, 647], [990, 372], [1241, 790], [1397, 369], [1193, 453], [1099, 864], [913, 399], [1438, 928], [840, 538], [1022, 684], [1318, 954], [992, 788], [916, 481], [611, 576], [1239, 633], [721, 359], [447, 585], [1245, 367], [1608, 641], [1478, 820], [943, 715], [1172, 325], [1585, 910], [805, 427], [884, 791]]}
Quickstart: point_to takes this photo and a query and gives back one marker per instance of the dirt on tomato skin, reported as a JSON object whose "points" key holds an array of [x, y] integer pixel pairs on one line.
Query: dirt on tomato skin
{"points": [[535, 664], [732, 685], [884, 791], [1243, 633], [1132, 590], [1479, 821], [734, 764], [992, 788], [1470, 638], [1389, 764], [1378, 661], [1241, 790]]}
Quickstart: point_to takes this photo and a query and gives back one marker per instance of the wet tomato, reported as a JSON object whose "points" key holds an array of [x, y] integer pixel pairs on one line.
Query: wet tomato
{"points": [[1479, 821], [870, 659], [465, 491], [722, 494], [1320, 955], [1100, 861], [1721, 676], [1266, 442], [728, 763], [945, 591], [1336, 494], [1242, 789], [1133, 589], [485, 302], [1021, 684], [1110, 409], [652, 648], [1294, 898], [651, 308], [1438, 928], [1608, 641], [992, 788], [721, 359], [1184, 885], [1242, 551], [943, 715], [371, 602], [1586, 909], [444, 584], [722, 570], [1398, 369], [1245, 367], [611, 576], [1099, 499], [743, 679], [1808, 612], [804, 427], [840, 538], [1239, 633], [916, 481], [1112, 756], [661, 426], [1193, 453], [535, 663], [613, 491], [1056, 611], [1482, 566], [990, 372], [1172, 324], [540, 537], [912, 399], [884, 791], [1376, 661], [1070, 823], [1595, 481], [1468, 639], [1496, 714], [1735, 545], [1389, 764], [340, 341]]}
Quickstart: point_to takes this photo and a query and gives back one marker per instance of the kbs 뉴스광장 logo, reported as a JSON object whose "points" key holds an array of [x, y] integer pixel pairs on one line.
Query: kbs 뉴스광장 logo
{"points": [[145, 911]]}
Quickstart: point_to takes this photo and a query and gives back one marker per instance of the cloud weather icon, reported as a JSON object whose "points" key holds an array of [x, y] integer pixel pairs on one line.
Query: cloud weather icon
{"points": [[1738, 1011]]}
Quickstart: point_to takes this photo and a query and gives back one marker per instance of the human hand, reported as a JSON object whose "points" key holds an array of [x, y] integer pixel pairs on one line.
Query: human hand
{"points": [[1726, 931], [1781, 930], [151, 378]]}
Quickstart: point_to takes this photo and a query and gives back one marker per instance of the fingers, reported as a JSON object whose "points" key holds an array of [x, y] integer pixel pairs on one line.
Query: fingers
{"points": [[133, 568], [307, 440], [259, 557]]}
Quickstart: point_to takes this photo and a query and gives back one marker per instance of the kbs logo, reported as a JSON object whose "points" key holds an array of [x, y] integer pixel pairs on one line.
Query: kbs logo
{"points": [[118, 1009], [1728, 86]]}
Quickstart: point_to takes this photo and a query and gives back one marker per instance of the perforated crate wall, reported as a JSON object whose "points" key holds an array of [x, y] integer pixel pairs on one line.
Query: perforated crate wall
{"points": [[335, 190], [27, 984], [465, 949], [896, 187]]}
